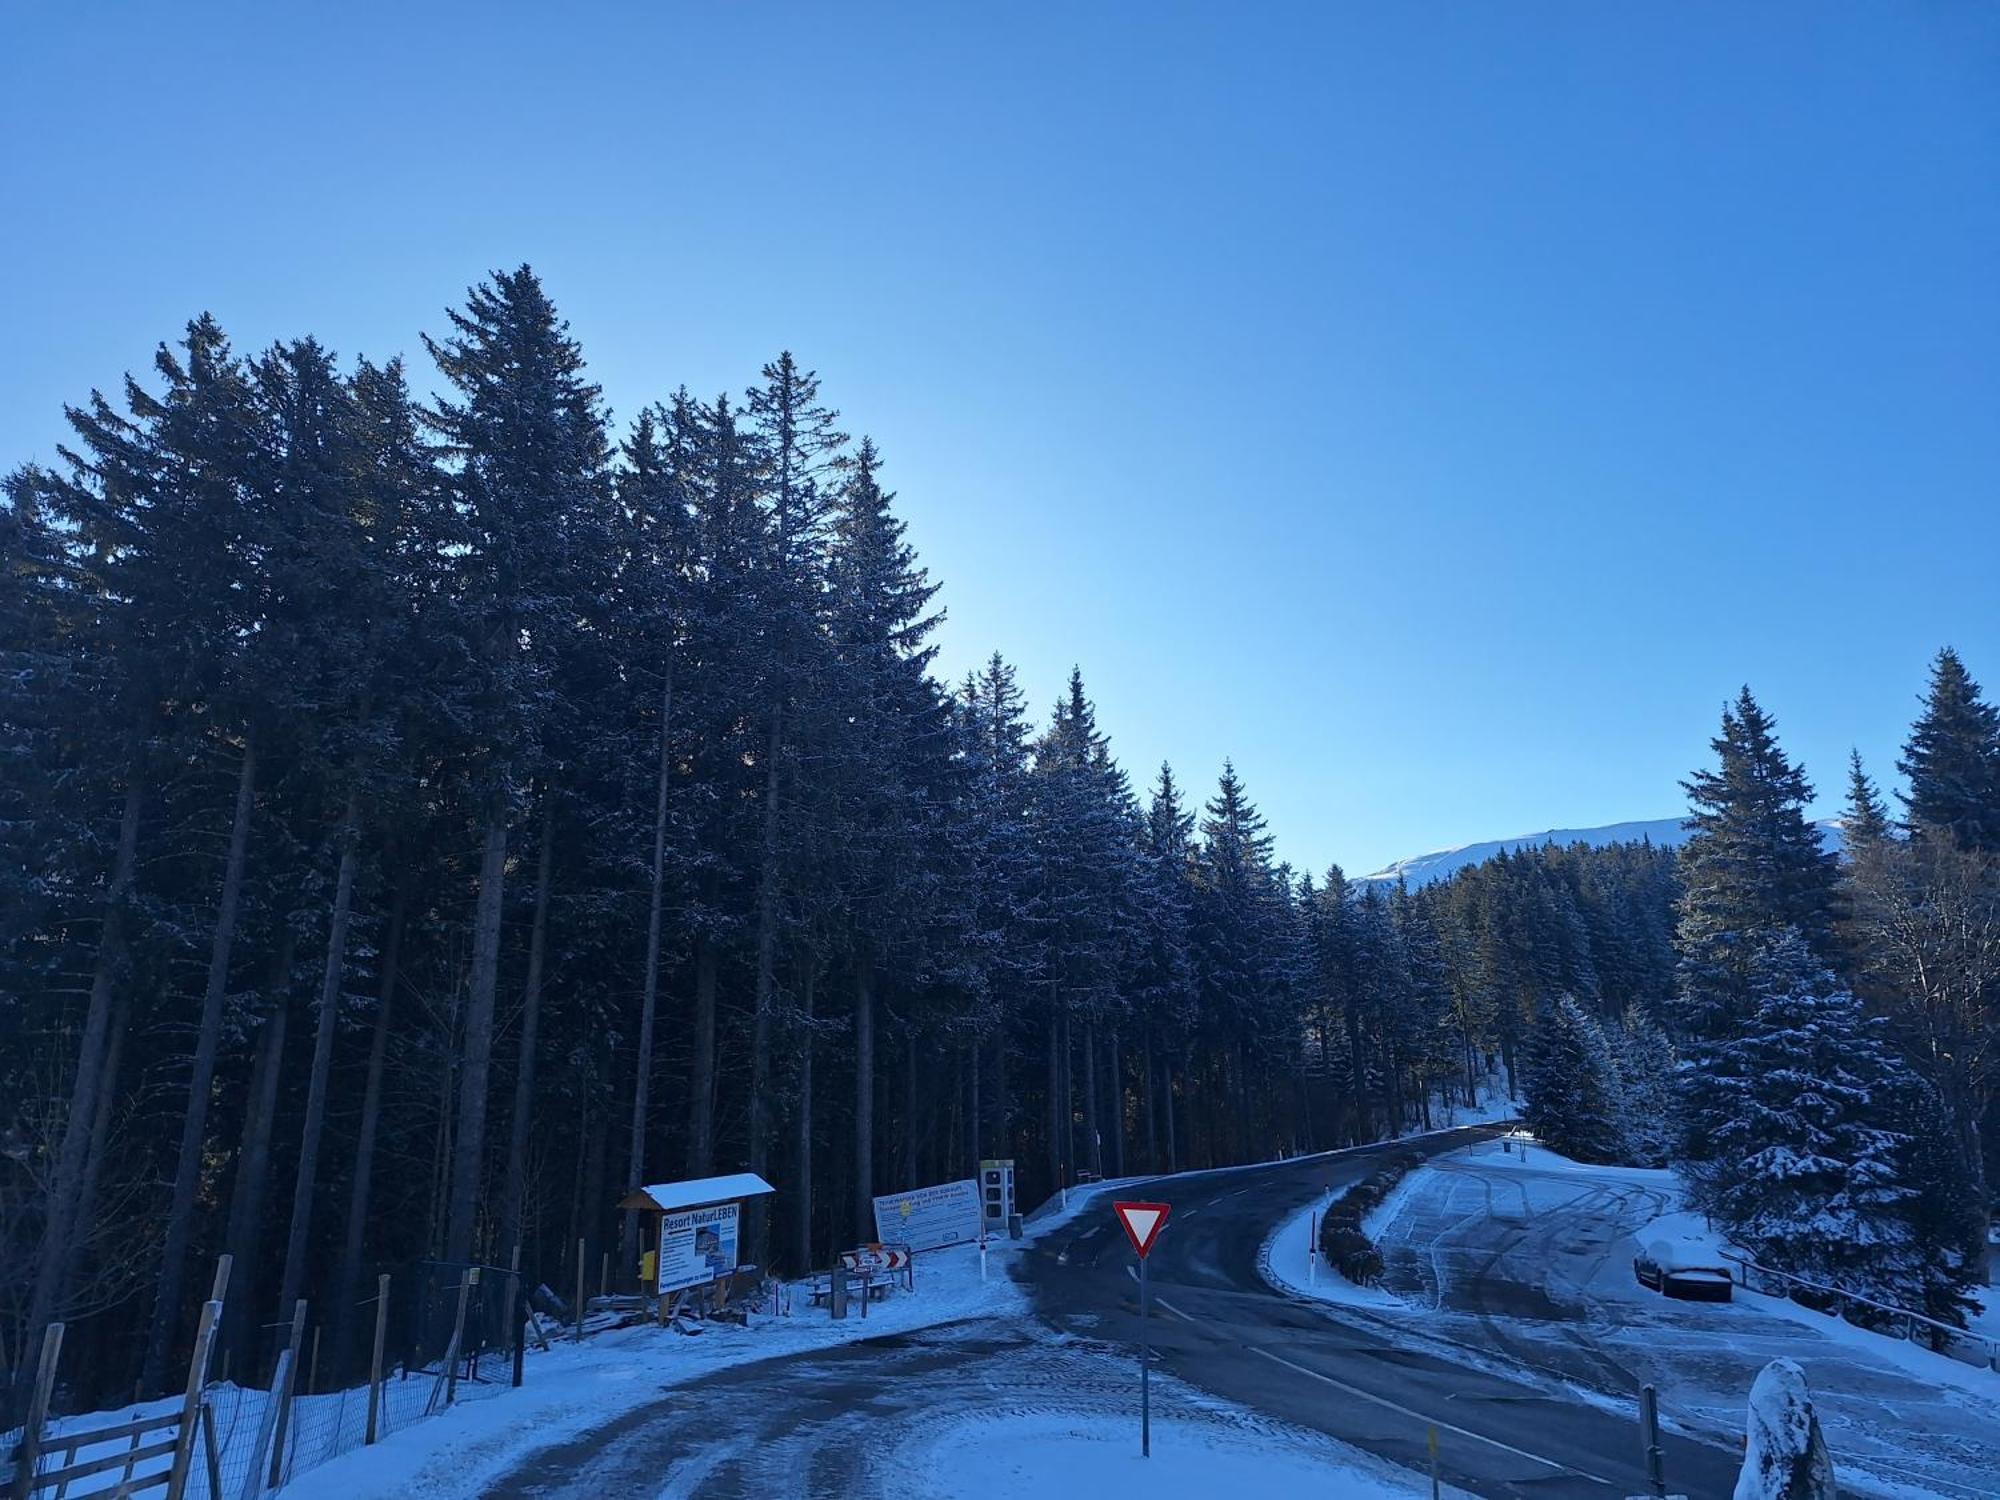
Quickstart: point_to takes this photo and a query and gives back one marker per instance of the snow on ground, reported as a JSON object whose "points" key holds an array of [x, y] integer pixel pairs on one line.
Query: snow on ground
{"points": [[572, 1388], [1530, 1257], [1986, 1320], [1922, 1363], [1041, 1454]]}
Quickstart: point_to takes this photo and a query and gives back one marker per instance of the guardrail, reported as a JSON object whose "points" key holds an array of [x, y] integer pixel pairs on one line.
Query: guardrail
{"points": [[1942, 1338]]}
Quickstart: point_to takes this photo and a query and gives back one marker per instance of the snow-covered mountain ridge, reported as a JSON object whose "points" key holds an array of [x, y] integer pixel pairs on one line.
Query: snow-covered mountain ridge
{"points": [[1422, 869]]}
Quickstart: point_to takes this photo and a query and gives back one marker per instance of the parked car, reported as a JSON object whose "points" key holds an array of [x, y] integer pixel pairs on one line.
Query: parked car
{"points": [[1683, 1268]]}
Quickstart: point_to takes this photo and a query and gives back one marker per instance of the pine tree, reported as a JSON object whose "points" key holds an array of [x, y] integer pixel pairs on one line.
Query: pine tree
{"points": [[1865, 821], [1952, 760], [1793, 1119], [993, 737], [1753, 868], [1947, 1207], [1162, 982], [1570, 1084], [1645, 1096], [896, 772], [1083, 908], [527, 440]]}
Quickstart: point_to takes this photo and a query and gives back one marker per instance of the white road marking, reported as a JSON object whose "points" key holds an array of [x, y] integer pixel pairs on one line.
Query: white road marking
{"points": [[1414, 1415]]}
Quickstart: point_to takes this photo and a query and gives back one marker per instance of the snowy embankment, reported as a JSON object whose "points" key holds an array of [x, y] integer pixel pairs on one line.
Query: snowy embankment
{"points": [[1526, 1259], [1692, 1230], [572, 1388]]}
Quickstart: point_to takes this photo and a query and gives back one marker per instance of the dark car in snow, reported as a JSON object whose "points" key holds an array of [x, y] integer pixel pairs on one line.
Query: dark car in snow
{"points": [[1679, 1268]]}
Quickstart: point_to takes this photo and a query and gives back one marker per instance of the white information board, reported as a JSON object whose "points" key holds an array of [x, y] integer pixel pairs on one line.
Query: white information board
{"points": [[930, 1218], [697, 1246]]}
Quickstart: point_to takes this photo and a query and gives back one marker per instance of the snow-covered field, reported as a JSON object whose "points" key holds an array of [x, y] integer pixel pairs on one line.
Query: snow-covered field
{"points": [[1527, 1257]]}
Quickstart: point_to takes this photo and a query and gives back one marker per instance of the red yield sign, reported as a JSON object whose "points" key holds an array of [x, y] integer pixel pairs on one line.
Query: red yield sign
{"points": [[1142, 1223]]}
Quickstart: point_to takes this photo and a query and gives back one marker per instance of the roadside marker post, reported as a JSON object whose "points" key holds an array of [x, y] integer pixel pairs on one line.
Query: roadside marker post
{"points": [[1649, 1429], [1142, 1223]]}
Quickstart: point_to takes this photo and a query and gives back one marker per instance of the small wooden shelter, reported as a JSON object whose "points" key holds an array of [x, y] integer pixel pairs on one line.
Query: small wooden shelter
{"points": [[691, 1228]]}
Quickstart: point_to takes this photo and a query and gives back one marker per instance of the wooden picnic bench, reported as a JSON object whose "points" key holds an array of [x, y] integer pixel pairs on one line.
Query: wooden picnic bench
{"points": [[875, 1286]]}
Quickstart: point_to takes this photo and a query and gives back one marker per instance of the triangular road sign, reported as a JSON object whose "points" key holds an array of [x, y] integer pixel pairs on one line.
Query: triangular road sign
{"points": [[1142, 1223]]}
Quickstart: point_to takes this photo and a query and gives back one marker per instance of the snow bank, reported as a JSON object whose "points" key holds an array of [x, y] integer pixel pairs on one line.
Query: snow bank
{"points": [[1045, 1455], [573, 1388], [1284, 1261], [1784, 1456]]}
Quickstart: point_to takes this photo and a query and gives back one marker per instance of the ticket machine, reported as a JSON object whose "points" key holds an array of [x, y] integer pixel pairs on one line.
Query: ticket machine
{"points": [[996, 1198]]}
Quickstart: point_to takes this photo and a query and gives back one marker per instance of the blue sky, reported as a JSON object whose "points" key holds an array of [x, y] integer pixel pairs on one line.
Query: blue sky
{"points": [[1439, 409]]}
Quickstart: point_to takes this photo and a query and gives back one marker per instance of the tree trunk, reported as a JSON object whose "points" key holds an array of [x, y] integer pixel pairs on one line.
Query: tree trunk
{"points": [[364, 1146], [253, 1155], [701, 1081], [1055, 1110], [531, 1017], [910, 1130], [1070, 1157], [322, 1059], [1152, 1125], [973, 1124], [468, 1150], [1093, 1119], [635, 1162], [805, 1121], [52, 1270], [590, 1211], [1117, 1108], [759, 1226], [194, 1122], [1357, 1076], [100, 1126], [1003, 1112], [1173, 1149], [864, 1096]]}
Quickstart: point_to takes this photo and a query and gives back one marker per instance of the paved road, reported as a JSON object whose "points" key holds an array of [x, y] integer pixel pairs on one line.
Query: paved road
{"points": [[1340, 1372], [820, 1424]]}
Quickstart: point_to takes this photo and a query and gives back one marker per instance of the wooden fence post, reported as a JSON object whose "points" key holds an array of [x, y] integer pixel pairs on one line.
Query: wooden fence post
{"points": [[210, 1455], [514, 1318], [281, 1391], [253, 1473], [465, 1286], [204, 1343], [375, 1364], [38, 1411]]}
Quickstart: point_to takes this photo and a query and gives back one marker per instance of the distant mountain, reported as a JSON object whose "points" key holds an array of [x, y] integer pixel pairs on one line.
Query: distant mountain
{"points": [[1667, 833]]}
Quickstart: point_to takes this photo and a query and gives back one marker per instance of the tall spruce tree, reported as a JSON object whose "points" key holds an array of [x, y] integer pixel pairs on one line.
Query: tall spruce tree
{"points": [[1795, 1114], [1751, 869], [524, 434], [1952, 760], [1571, 1084], [1864, 822]]}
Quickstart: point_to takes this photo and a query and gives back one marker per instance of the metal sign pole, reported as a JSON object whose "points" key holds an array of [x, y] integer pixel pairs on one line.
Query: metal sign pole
{"points": [[1145, 1361]]}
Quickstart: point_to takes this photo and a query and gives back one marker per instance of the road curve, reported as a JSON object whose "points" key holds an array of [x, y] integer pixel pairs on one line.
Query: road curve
{"points": [[1219, 1326], [825, 1423]]}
